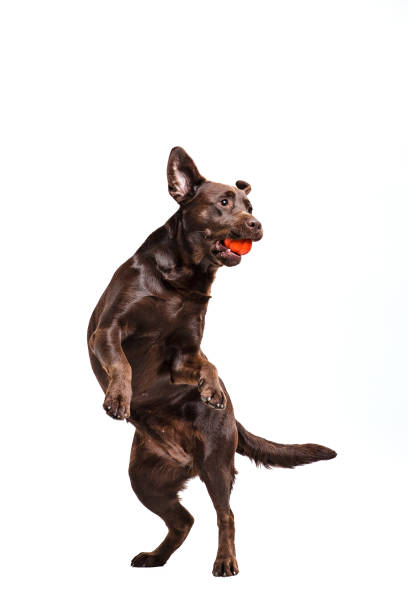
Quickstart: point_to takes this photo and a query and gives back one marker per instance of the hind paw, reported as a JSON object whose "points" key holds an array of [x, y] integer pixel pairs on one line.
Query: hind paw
{"points": [[147, 560], [225, 567]]}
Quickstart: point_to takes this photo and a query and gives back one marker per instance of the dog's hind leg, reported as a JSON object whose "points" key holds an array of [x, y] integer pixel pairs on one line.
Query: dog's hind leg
{"points": [[218, 477], [156, 481]]}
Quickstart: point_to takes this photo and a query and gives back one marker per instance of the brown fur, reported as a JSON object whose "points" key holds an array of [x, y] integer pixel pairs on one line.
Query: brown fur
{"points": [[144, 341]]}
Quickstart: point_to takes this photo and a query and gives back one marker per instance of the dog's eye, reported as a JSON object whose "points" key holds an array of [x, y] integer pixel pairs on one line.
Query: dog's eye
{"points": [[250, 209], [224, 202]]}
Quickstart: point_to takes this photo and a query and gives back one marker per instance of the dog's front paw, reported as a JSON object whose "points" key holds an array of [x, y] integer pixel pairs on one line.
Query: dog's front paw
{"points": [[117, 400], [211, 392]]}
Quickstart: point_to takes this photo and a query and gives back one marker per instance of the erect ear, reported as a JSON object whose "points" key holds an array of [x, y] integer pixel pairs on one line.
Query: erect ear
{"points": [[182, 175], [244, 186]]}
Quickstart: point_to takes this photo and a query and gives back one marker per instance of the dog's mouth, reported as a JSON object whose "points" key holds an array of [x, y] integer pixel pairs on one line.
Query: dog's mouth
{"points": [[230, 254]]}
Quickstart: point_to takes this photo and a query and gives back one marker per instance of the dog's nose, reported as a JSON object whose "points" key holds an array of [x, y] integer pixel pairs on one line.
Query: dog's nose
{"points": [[254, 224]]}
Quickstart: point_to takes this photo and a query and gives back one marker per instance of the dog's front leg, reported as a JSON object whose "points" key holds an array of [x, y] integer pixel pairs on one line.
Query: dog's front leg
{"points": [[106, 345], [195, 369]]}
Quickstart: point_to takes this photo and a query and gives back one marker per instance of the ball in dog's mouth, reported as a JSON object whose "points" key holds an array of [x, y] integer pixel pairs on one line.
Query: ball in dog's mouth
{"points": [[241, 247], [229, 251]]}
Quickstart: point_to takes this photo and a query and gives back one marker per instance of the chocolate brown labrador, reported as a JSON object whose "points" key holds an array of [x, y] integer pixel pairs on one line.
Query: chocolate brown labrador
{"points": [[144, 342]]}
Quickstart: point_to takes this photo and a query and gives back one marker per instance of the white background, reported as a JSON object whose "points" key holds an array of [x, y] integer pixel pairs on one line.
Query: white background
{"points": [[308, 102]]}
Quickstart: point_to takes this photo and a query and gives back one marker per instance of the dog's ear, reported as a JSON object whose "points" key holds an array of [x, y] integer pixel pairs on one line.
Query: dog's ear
{"points": [[182, 175], [244, 186]]}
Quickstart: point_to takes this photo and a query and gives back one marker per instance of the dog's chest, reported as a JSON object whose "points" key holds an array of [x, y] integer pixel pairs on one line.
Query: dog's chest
{"points": [[183, 309], [172, 318]]}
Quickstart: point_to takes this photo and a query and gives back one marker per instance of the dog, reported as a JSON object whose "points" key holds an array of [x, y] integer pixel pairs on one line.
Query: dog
{"points": [[144, 340]]}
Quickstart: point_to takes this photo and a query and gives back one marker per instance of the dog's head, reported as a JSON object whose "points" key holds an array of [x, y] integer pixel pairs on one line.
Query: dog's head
{"points": [[211, 212]]}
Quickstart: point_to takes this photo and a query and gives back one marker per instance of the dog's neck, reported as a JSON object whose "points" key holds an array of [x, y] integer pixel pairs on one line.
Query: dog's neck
{"points": [[179, 261]]}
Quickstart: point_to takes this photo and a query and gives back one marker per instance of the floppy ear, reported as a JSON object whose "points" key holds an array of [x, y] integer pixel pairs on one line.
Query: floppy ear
{"points": [[244, 186], [182, 175]]}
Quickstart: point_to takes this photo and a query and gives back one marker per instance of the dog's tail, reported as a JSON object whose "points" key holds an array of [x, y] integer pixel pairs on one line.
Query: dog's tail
{"points": [[272, 454]]}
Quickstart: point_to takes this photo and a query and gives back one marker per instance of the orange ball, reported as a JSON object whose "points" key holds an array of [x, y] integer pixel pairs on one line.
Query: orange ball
{"points": [[242, 247]]}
